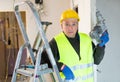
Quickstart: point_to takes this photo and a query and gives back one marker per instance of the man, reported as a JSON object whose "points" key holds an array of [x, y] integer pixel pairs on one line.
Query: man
{"points": [[74, 52]]}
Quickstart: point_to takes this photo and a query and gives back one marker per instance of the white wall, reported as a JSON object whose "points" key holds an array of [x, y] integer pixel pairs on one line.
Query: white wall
{"points": [[6, 5], [53, 10], [110, 66]]}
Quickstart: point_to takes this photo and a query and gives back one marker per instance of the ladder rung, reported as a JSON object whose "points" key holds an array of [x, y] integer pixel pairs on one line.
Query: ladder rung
{"points": [[25, 72], [30, 72], [45, 71]]}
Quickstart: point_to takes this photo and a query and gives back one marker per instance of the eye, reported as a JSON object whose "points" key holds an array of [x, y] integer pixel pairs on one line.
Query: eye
{"points": [[66, 24], [74, 24]]}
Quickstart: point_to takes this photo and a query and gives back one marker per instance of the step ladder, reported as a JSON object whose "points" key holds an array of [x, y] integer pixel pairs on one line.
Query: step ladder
{"points": [[37, 71]]}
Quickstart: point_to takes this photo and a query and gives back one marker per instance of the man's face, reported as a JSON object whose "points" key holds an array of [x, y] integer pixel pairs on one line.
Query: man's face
{"points": [[70, 27]]}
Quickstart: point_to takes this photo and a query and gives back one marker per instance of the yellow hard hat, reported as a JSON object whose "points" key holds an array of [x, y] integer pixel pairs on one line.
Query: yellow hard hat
{"points": [[70, 13]]}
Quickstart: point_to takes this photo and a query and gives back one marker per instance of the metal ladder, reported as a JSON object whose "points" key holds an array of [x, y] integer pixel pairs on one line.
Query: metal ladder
{"points": [[39, 70]]}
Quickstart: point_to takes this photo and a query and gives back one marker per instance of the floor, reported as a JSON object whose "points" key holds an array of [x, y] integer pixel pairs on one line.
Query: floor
{"points": [[19, 79]]}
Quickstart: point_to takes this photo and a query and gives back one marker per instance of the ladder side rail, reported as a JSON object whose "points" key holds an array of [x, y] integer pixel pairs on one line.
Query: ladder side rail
{"points": [[14, 76], [48, 49], [38, 59], [24, 34]]}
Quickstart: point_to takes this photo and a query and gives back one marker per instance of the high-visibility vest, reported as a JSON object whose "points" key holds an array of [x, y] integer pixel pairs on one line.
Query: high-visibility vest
{"points": [[82, 69]]}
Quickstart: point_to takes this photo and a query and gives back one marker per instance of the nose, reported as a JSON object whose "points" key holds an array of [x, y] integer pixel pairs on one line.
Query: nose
{"points": [[70, 27]]}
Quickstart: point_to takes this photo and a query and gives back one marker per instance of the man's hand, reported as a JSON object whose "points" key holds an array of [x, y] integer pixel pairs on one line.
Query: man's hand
{"points": [[104, 39], [67, 72]]}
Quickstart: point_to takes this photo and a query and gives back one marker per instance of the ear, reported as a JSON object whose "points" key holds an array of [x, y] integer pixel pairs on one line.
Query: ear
{"points": [[61, 26]]}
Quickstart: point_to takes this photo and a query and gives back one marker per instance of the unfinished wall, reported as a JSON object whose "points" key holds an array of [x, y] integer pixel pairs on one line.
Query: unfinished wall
{"points": [[110, 66]]}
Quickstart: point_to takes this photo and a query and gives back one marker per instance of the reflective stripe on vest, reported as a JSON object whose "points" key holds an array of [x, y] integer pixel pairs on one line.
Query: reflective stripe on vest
{"points": [[83, 66], [91, 75], [80, 79]]}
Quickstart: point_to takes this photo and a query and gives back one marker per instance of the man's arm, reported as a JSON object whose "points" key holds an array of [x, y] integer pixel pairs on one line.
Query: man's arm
{"points": [[98, 54], [45, 59]]}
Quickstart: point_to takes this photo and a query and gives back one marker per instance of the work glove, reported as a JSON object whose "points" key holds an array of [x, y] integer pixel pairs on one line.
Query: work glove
{"points": [[104, 39], [68, 73]]}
